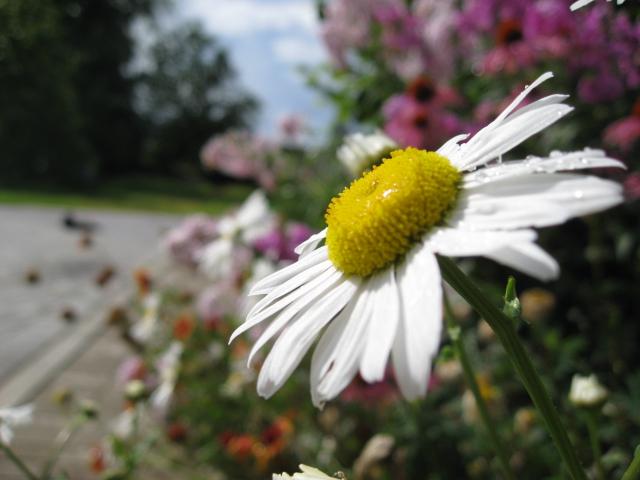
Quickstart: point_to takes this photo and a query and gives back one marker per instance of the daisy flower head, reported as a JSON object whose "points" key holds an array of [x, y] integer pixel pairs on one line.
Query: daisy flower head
{"points": [[307, 473], [11, 417], [373, 291]]}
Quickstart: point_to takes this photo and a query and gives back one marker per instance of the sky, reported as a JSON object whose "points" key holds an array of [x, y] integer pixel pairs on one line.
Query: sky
{"points": [[267, 40]]}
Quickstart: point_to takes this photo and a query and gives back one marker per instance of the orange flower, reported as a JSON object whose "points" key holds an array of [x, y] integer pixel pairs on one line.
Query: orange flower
{"points": [[183, 327], [143, 281], [97, 460]]}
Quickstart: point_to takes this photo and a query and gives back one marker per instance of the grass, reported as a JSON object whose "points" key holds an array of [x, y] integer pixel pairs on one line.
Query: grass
{"points": [[150, 194]]}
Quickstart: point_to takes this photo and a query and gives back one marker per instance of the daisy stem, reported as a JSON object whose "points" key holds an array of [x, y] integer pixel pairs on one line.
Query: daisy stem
{"points": [[505, 331], [633, 472], [592, 425], [469, 374], [17, 462]]}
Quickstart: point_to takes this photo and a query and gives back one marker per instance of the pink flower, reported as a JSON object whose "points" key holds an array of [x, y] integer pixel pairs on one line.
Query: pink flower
{"points": [[217, 302], [292, 127], [624, 133], [132, 368], [346, 26], [239, 155], [279, 244], [520, 32], [418, 117], [632, 186], [186, 240]]}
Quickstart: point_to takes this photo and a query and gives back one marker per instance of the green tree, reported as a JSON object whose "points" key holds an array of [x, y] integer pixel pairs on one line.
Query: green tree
{"points": [[40, 124], [188, 94]]}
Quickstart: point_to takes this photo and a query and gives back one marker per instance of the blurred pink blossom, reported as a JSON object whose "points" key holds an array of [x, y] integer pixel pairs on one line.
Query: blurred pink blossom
{"points": [[346, 26], [632, 186], [132, 368], [418, 117], [292, 127], [186, 240], [239, 155], [216, 302], [624, 133], [279, 243]]}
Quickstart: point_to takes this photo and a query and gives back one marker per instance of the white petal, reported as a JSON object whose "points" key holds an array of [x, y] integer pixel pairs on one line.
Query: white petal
{"points": [[451, 148], [6, 434], [528, 258], [382, 326], [290, 312], [335, 360], [294, 342], [310, 243], [587, 158], [290, 285], [278, 278], [420, 325], [453, 242], [511, 133], [215, 259], [533, 200], [311, 289]]}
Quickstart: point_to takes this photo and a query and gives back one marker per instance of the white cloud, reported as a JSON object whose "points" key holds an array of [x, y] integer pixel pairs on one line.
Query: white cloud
{"points": [[247, 17], [298, 50]]}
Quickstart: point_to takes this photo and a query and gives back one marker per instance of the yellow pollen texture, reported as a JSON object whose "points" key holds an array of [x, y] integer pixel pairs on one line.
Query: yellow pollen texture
{"points": [[381, 215]]}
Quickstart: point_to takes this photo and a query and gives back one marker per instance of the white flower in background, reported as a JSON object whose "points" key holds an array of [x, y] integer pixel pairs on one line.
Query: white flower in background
{"points": [[586, 391], [168, 368], [145, 327], [306, 473], [252, 220], [11, 417], [123, 424], [361, 151], [376, 283], [582, 3]]}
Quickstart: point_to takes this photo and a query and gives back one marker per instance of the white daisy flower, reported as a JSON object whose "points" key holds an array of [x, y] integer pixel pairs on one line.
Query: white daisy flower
{"points": [[168, 368], [11, 417], [360, 151], [587, 391], [581, 3], [249, 222], [376, 285], [306, 473], [144, 328]]}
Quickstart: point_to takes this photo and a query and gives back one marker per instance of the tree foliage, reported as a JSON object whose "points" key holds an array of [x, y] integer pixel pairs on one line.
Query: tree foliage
{"points": [[187, 95], [67, 94]]}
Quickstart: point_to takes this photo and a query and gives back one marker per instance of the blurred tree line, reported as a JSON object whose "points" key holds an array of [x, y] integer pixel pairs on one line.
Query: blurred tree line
{"points": [[72, 108]]}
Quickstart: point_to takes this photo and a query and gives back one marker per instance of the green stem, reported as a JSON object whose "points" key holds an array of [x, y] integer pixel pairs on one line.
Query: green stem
{"points": [[60, 443], [592, 425], [17, 462], [633, 472], [503, 327], [470, 377]]}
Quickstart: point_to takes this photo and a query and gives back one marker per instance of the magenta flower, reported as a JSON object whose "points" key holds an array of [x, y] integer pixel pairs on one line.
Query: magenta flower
{"points": [[632, 186], [519, 32], [279, 243], [624, 133], [419, 117]]}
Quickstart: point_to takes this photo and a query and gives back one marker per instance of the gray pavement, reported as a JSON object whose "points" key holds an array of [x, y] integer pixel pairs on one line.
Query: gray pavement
{"points": [[33, 238]]}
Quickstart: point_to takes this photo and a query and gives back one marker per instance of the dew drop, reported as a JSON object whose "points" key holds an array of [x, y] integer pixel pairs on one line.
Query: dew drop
{"points": [[578, 194]]}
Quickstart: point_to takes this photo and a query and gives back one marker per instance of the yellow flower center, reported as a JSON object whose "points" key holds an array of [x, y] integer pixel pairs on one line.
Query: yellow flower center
{"points": [[381, 215]]}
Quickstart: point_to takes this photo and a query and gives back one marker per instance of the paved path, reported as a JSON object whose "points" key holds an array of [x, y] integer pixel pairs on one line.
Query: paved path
{"points": [[33, 239]]}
